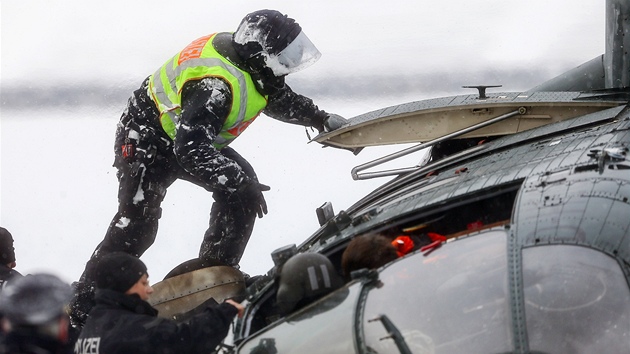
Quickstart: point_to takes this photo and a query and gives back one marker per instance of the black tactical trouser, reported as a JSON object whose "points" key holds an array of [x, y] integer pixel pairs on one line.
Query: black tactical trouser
{"points": [[146, 168], [134, 227], [142, 188]]}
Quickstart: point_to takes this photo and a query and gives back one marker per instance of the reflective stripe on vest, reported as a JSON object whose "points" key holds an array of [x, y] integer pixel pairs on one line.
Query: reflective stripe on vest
{"points": [[198, 60]]}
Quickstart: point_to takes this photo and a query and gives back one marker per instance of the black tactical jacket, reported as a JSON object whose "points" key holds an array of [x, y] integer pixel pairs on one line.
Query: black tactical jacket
{"points": [[122, 323], [205, 106]]}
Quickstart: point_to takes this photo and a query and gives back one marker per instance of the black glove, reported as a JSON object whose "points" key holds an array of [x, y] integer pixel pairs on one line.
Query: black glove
{"points": [[334, 121], [251, 193]]}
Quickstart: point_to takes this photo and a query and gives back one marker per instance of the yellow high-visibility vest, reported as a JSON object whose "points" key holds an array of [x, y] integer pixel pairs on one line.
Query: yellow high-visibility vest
{"points": [[199, 60]]}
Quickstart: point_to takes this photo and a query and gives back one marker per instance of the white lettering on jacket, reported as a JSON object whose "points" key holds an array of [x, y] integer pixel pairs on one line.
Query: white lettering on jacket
{"points": [[87, 345]]}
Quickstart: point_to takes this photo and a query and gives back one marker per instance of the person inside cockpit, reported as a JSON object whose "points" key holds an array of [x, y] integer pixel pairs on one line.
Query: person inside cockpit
{"points": [[303, 279]]}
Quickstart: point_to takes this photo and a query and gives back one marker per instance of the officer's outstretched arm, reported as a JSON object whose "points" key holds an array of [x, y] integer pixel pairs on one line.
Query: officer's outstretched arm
{"points": [[291, 107]]}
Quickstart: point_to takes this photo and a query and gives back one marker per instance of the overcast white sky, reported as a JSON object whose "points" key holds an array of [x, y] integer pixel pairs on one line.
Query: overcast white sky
{"points": [[126, 40], [57, 186]]}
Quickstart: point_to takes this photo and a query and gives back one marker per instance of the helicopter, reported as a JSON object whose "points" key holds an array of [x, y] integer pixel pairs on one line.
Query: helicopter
{"points": [[529, 193]]}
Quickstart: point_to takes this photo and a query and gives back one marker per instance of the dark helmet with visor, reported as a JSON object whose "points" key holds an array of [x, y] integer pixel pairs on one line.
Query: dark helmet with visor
{"points": [[304, 278], [35, 299], [269, 39]]}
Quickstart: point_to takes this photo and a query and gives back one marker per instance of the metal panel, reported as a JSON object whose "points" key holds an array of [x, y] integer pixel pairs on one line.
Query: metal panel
{"points": [[184, 292]]}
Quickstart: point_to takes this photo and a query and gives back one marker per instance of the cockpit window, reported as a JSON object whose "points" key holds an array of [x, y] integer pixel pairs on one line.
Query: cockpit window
{"points": [[455, 300], [324, 328], [576, 301]]}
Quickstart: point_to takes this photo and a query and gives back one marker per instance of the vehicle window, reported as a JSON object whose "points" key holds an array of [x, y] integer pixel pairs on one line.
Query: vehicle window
{"points": [[576, 301], [322, 327], [452, 301]]}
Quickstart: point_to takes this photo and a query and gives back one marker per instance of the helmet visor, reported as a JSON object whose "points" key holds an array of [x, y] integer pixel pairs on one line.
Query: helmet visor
{"points": [[299, 54]]}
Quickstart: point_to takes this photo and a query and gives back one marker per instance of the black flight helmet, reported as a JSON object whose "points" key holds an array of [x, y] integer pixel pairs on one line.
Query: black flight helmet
{"points": [[35, 299], [304, 278], [269, 39]]}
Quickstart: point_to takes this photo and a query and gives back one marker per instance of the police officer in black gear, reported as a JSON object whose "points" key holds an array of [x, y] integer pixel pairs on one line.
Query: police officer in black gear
{"points": [[123, 322], [35, 315], [268, 46], [7, 258]]}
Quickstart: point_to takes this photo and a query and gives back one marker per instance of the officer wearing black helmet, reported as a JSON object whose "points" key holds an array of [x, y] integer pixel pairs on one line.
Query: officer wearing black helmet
{"points": [[179, 124], [35, 315]]}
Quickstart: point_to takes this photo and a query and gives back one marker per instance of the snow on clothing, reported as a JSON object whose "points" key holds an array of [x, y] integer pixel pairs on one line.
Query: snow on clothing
{"points": [[122, 323], [191, 156], [149, 161], [200, 60]]}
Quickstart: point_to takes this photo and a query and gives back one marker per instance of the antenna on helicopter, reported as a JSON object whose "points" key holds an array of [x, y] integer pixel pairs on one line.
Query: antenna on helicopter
{"points": [[482, 90]]}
